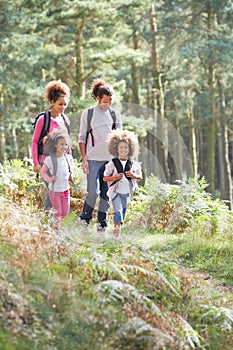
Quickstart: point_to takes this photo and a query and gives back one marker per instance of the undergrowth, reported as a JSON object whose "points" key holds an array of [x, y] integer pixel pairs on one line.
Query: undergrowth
{"points": [[154, 290]]}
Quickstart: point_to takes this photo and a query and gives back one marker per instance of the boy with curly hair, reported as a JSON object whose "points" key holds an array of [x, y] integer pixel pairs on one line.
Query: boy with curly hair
{"points": [[123, 145]]}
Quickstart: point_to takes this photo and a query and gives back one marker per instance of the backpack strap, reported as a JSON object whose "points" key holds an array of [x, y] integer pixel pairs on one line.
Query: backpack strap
{"points": [[66, 122], [118, 165], [72, 181], [128, 166], [54, 162], [113, 114], [89, 128]]}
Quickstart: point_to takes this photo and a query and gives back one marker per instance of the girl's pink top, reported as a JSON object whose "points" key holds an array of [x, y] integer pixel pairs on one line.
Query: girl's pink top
{"points": [[36, 136]]}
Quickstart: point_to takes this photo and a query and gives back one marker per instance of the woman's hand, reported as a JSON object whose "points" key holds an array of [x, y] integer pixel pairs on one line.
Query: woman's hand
{"points": [[37, 168]]}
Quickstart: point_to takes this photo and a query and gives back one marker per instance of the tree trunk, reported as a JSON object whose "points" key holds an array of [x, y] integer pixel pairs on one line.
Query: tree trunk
{"points": [[158, 101], [79, 78], [192, 138], [134, 72], [225, 169], [211, 121], [2, 141], [15, 143], [2, 133], [176, 165]]}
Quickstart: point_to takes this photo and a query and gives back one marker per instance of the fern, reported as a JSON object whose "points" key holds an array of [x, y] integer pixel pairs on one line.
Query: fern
{"points": [[188, 337], [219, 315], [116, 291], [103, 267], [158, 276], [138, 334]]}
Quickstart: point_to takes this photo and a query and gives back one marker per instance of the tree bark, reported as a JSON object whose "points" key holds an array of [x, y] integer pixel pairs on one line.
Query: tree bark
{"points": [[192, 137], [79, 78], [2, 141], [134, 72], [225, 169], [211, 121], [158, 101]]}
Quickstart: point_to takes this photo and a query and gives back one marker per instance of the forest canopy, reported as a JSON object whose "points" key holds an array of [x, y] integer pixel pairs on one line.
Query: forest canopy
{"points": [[168, 61]]}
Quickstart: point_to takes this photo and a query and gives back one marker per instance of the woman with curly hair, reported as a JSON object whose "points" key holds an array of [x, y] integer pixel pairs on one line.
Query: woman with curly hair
{"points": [[57, 94], [95, 125], [122, 173]]}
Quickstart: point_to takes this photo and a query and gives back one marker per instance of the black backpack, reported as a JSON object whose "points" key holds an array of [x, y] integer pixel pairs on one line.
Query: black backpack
{"points": [[119, 168], [45, 130], [89, 128]]}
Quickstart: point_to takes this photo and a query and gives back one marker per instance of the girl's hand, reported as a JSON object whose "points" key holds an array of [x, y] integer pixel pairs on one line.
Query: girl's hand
{"points": [[52, 179]]}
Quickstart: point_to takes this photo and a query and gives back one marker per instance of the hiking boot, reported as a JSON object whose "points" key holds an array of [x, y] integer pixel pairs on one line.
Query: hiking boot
{"points": [[84, 223]]}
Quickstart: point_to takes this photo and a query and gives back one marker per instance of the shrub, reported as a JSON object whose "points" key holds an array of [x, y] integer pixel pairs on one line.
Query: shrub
{"points": [[174, 208]]}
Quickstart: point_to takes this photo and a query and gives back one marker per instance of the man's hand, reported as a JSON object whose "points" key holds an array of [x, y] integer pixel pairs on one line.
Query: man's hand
{"points": [[85, 166]]}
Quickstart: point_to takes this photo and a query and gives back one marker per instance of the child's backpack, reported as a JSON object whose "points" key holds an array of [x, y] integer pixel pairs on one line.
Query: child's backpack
{"points": [[119, 168], [89, 128], [45, 130]]}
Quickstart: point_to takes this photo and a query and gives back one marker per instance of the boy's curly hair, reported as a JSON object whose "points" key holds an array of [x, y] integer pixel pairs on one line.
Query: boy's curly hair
{"points": [[126, 136], [55, 89], [53, 137]]}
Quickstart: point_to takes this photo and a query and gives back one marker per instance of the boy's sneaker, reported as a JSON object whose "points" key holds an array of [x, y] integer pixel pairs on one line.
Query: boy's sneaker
{"points": [[100, 229]]}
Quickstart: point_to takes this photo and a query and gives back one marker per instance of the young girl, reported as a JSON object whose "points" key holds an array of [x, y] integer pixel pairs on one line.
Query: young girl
{"points": [[123, 145], [59, 164]]}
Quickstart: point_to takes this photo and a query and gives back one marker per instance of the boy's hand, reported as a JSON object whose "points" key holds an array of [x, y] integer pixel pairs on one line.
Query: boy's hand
{"points": [[129, 173], [117, 177]]}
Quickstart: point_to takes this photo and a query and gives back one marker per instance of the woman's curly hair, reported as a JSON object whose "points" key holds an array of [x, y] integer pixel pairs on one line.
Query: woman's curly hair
{"points": [[55, 89], [99, 88], [126, 136], [53, 137]]}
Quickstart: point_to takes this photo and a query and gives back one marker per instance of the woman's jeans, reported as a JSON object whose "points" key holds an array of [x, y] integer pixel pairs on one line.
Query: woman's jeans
{"points": [[96, 187]]}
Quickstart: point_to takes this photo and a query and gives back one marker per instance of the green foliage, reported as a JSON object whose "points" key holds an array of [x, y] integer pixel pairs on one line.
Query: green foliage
{"points": [[221, 316], [80, 291], [19, 183], [175, 208]]}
